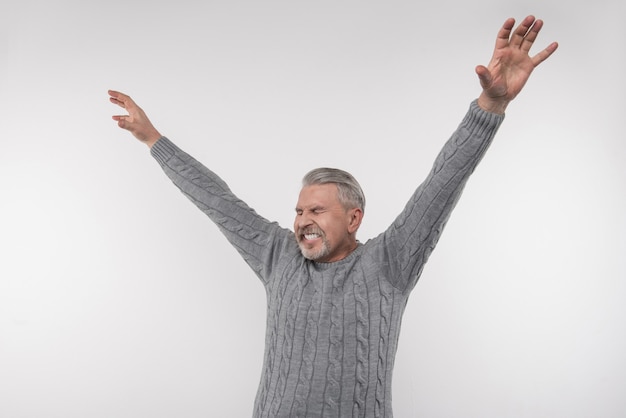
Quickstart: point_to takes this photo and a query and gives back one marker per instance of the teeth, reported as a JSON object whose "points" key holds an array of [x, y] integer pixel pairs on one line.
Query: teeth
{"points": [[311, 236]]}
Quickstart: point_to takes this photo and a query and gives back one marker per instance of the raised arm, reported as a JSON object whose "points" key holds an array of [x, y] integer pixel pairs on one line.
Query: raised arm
{"points": [[136, 122], [257, 239], [510, 65], [414, 234]]}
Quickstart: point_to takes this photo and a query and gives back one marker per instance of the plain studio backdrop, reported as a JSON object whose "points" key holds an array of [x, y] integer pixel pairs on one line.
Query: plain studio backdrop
{"points": [[118, 298]]}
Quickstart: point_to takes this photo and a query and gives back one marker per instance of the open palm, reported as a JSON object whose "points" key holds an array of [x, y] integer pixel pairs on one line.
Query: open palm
{"points": [[511, 66]]}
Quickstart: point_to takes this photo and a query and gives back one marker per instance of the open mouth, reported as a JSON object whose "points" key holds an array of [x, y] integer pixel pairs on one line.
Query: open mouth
{"points": [[310, 234], [311, 237]]}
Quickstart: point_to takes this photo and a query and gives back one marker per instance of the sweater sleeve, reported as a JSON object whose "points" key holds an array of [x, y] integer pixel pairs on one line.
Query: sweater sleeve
{"points": [[406, 245], [254, 237]]}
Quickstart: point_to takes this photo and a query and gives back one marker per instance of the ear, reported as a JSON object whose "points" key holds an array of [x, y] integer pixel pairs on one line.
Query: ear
{"points": [[356, 216]]}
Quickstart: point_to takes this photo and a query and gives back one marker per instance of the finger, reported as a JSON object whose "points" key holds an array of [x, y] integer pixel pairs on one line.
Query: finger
{"points": [[531, 35], [521, 31], [484, 76], [121, 121], [114, 96], [504, 33], [121, 99], [545, 54], [117, 94], [117, 102]]}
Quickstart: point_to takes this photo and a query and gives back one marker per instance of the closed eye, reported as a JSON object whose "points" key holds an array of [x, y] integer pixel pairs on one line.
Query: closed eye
{"points": [[314, 210]]}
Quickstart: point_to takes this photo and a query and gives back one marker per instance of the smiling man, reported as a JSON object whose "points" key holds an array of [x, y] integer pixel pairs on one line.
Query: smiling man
{"points": [[334, 304]]}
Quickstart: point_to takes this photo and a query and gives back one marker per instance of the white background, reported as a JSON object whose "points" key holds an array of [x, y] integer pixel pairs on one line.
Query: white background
{"points": [[118, 298]]}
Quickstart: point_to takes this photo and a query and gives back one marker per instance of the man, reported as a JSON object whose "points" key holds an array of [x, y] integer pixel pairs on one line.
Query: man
{"points": [[334, 304]]}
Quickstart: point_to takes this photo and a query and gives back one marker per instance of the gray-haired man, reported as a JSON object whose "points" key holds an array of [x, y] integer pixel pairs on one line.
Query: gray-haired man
{"points": [[335, 304]]}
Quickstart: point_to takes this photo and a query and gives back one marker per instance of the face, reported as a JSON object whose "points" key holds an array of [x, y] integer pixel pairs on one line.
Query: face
{"points": [[324, 228]]}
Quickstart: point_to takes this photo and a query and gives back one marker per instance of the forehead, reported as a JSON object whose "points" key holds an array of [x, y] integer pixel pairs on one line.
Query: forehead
{"points": [[318, 195]]}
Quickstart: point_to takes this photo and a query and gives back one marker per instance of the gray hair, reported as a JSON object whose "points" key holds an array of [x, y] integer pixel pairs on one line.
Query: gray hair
{"points": [[350, 193]]}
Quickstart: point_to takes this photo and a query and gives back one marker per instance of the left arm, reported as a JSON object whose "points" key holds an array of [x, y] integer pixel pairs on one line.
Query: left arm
{"points": [[407, 244], [414, 234]]}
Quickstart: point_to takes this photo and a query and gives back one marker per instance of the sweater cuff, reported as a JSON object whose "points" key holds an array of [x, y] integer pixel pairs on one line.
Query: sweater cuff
{"points": [[163, 150], [480, 120]]}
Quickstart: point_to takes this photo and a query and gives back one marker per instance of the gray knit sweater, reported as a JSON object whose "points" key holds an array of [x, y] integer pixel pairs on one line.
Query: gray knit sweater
{"points": [[332, 328]]}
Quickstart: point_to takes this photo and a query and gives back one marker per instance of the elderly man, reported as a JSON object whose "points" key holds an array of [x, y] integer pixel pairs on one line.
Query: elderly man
{"points": [[335, 304]]}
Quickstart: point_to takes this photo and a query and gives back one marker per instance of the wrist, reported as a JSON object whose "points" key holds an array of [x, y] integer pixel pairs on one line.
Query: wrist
{"points": [[152, 138], [492, 105]]}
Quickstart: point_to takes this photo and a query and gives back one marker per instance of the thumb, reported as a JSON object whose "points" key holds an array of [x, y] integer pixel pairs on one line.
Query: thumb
{"points": [[121, 121], [484, 76]]}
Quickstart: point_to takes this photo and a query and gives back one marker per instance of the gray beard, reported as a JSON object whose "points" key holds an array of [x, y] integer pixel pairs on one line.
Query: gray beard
{"points": [[314, 255]]}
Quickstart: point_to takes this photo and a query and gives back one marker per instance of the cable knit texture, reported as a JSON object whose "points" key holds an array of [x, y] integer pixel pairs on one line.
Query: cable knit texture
{"points": [[332, 328]]}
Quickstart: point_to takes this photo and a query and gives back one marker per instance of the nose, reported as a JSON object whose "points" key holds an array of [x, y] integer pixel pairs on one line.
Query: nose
{"points": [[302, 220]]}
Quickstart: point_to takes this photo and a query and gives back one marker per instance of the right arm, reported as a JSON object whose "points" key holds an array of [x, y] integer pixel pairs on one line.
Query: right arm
{"points": [[255, 238], [258, 240]]}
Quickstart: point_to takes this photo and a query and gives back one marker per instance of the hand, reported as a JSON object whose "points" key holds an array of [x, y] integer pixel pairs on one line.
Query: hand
{"points": [[136, 122], [510, 66]]}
